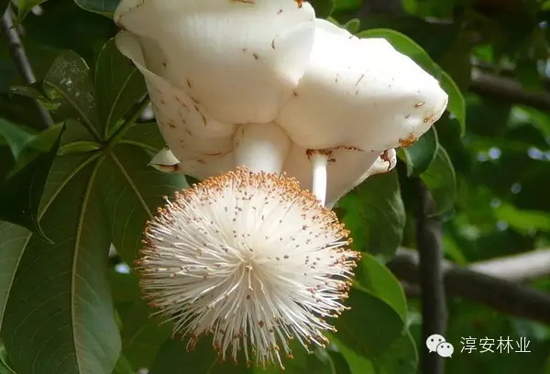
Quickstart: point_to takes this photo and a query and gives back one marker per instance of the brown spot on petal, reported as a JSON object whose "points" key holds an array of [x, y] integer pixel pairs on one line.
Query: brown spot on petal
{"points": [[429, 118], [326, 152], [201, 162], [348, 148], [408, 141], [418, 105], [273, 44], [164, 64], [189, 83], [300, 3], [280, 11], [295, 93], [256, 56], [360, 79]]}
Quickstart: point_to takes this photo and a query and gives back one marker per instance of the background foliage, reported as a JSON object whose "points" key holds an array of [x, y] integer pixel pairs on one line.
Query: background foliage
{"points": [[71, 191]]}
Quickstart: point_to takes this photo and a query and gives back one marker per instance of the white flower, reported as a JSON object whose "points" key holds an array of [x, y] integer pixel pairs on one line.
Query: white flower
{"points": [[247, 255], [250, 258]]}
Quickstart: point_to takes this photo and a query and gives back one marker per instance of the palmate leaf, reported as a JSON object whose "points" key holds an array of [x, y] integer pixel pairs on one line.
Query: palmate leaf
{"points": [[59, 315]]}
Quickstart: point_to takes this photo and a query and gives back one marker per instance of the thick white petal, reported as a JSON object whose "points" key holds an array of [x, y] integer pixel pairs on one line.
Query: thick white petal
{"points": [[193, 136], [383, 164], [239, 59], [360, 93]]}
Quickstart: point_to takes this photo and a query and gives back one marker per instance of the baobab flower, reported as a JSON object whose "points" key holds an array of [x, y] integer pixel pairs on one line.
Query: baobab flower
{"points": [[250, 258], [287, 102]]}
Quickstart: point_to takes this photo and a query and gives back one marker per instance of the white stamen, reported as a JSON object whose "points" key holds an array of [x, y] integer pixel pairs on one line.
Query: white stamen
{"points": [[250, 258]]}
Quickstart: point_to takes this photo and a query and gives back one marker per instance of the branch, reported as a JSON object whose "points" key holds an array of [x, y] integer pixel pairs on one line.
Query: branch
{"points": [[434, 310], [501, 294], [506, 89], [523, 267], [21, 60]]}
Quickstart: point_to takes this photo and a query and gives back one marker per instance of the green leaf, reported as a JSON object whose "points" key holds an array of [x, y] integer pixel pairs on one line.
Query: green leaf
{"points": [[12, 244], [374, 277], [16, 137], [174, 358], [68, 84], [35, 91], [440, 179], [367, 349], [21, 193], [104, 7], [145, 136], [318, 362], [123, 366], [380, 325], [5, 366], [400, 358], [133, 190], [119, 86], [357, 363], [347, 4], [141, 334], [59, 316], [323, 8], [407, 46], [353, 25], [339, 362], [375, 214], [420, 155]]}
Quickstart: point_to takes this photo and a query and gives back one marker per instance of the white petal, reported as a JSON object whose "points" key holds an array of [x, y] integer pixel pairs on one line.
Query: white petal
{"points": [[193, 136], [239, 59], [383, 164], [165, 161], [360, 93]]}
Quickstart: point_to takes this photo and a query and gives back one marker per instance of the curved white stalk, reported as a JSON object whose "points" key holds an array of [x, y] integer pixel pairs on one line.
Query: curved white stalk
{"points": [[261, 147], [319, 161]]}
